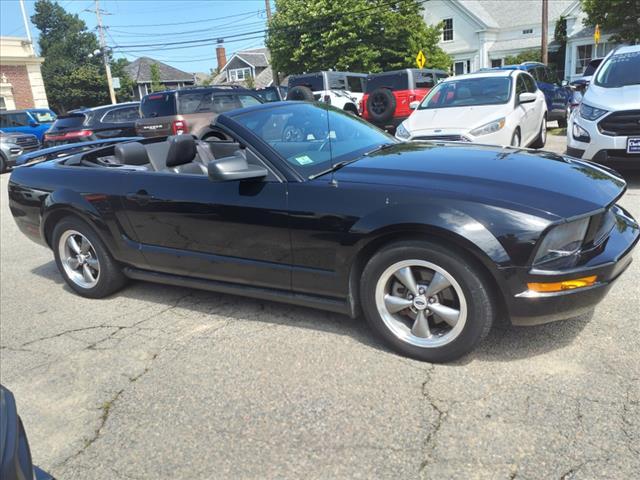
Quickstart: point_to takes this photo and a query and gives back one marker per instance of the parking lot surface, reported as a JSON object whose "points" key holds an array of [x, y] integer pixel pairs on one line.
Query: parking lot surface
{"points": [[166, 382]]}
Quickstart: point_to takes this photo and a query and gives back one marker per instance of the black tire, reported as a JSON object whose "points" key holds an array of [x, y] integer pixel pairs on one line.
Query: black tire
{"points": [[381, 105], [300, 93], [516, 134], [110, 278], [562, 122], [541, 139], [351, 108], [481, 307], [2, 163]]}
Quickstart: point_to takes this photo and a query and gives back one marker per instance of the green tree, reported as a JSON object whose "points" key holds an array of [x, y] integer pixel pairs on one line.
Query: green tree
{"points": [[71, 78], [356, 35], [156, 86], [622, 17], [127, 85], [527, 56]]}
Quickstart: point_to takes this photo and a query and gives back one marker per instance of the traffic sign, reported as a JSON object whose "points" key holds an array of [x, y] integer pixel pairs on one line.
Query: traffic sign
{"points": [[596, 34], [420, 59]]}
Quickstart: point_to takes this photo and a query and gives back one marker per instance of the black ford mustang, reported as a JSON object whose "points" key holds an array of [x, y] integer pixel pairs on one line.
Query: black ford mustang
{"points": [[308, 205]]}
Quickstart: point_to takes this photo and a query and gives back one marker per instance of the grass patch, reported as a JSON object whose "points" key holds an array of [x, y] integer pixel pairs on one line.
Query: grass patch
{"points": [[557, 131]]}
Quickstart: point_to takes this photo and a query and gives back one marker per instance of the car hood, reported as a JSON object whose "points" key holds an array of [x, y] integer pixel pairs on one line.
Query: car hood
{"points": [[613, 99], [541, 183], [458, 118]]}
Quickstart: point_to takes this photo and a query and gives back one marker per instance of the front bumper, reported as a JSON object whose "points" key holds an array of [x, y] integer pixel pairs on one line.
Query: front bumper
{"points": [[527, 307], [14, 151]]}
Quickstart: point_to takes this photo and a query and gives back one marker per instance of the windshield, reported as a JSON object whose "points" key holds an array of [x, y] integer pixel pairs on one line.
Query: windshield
{"points": [[158, 105], [312, 137], [468, 92], [391, 80], [620, 70], [43, 116]]}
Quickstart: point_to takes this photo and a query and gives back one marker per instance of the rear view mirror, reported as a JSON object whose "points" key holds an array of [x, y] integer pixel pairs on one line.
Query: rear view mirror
{"points": [[234, 168], [527, 97], [414, 105]]}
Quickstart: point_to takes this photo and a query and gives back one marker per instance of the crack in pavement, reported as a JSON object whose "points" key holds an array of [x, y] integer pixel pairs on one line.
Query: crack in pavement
{"points": [[429, 443]]}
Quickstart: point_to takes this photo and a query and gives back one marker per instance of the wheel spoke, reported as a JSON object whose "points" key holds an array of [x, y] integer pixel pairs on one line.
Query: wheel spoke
{"points": [[405, 275], [87, 274], [438, 283], [92, 262], [84, 245], [421, 326], [73, 263], [395, 304], [448, 314], [73, 244]]}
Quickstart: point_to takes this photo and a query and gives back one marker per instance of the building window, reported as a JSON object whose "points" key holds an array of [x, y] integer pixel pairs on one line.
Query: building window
{"points": [[447, 29], [585, 53], [527, 31], [238, 74], [496, 62]]}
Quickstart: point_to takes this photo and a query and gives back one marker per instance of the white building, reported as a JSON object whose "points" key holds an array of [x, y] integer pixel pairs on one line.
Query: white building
{"points": [[481, 33]]}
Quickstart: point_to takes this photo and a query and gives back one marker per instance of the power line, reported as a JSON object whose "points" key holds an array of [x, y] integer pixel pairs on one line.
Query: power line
{"points": [[188, 23]]}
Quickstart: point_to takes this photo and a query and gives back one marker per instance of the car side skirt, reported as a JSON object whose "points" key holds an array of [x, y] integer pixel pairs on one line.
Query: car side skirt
{"points": [[262, 293]]}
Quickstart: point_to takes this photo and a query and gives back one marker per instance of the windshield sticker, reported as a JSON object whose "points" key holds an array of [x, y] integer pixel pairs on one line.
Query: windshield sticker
{"points": [[304, 160]]}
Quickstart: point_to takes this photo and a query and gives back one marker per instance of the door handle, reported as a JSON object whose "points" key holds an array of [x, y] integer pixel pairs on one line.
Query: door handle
{"points": [[141, 197]]}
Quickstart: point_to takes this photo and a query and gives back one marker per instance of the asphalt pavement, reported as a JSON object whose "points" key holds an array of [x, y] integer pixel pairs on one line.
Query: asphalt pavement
{"points": [[170, 383]]}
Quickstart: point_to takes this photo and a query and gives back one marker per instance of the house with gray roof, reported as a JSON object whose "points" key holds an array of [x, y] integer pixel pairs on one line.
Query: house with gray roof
{"points": [[170, 77], [245, 64], [482, 33]]}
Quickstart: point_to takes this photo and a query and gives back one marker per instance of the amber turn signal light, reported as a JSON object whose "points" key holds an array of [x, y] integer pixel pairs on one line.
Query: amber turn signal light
{"points": [[560, 286]]}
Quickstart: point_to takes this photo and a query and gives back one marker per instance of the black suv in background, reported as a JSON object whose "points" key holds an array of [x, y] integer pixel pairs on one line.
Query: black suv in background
{"points": [[83, 125], [190, 110]]}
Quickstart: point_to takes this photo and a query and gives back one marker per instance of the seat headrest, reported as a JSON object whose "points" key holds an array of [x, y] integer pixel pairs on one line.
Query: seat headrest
{"points": [[132, 153], [182, 149]]}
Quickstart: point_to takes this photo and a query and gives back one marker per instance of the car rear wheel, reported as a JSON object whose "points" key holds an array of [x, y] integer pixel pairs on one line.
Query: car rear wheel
{"points": [[84, 261], [426, 301], [300, 93]]}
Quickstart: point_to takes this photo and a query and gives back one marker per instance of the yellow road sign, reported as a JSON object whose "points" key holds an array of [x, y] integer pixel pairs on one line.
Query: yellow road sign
{"points": [[420, 59], [596, 35]]}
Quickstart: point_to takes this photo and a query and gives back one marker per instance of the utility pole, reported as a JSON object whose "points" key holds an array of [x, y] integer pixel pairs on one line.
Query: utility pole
{"points": [[276, 77], [105, 53], [26, 22], [545, 33]]}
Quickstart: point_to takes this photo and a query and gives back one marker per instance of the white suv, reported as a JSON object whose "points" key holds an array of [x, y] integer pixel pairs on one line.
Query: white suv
{"points": [[605, 128], [343, 90]]}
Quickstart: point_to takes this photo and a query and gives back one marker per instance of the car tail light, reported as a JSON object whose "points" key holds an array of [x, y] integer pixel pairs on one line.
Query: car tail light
{"points": [[327, 99], [179, 127], [68, 135], [412, 98]]}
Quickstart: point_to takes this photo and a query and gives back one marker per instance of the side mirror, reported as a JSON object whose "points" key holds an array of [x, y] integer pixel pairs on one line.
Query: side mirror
{"points": [[527, 97], [234, 168], [413, 105], [33, 123], [564, 83]]}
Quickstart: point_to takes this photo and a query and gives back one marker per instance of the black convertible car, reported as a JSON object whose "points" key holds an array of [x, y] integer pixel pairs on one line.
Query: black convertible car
{"points": [[306, 204]]}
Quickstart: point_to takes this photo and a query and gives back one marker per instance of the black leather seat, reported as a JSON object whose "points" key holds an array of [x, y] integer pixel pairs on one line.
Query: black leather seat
{"points": [[181, 157], [131, 153]]}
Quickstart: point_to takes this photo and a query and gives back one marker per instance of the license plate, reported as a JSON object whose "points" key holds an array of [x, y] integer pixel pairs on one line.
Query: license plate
{"points": [[633, 145]]}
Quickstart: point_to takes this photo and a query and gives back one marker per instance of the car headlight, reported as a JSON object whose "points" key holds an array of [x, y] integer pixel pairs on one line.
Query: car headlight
{"points": [[590, 113], [488, 128], [402, 132], [560, 247], [580, 134]]}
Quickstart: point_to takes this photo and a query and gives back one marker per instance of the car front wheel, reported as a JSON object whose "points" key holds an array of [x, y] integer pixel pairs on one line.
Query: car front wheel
{"points": [[426, 301], [84, 261]]}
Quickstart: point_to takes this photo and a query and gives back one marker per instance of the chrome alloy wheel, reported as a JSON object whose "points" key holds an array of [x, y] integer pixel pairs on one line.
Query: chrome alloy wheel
{"points": [[79, 259], [421, 303]]}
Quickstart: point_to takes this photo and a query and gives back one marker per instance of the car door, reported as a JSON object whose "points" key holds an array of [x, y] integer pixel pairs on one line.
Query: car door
{"points": [[232, 231], [523, 110], [535, 114], [118, 122], [17, 122]]}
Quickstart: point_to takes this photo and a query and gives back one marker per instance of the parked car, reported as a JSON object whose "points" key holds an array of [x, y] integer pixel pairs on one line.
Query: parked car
{"points": [[342, 90], [389, 94], [12, 145], [498, 107], [606, 126], [33, 121], [582, 83], [15, 454], [557, 93], [432, 242], [190, 110], [272, 94], [108, 121]]}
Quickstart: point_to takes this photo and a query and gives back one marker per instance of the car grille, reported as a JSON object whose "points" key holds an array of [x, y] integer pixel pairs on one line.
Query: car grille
{"points": [[442, 138], [623, 123], [27, 141]]}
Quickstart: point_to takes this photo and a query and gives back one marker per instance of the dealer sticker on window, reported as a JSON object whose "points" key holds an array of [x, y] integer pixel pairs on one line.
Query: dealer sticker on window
{"points": [[303, 160], [633, 145]]}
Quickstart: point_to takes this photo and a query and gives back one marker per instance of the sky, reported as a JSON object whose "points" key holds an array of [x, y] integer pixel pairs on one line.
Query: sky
{"points": [[132, 25]]}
